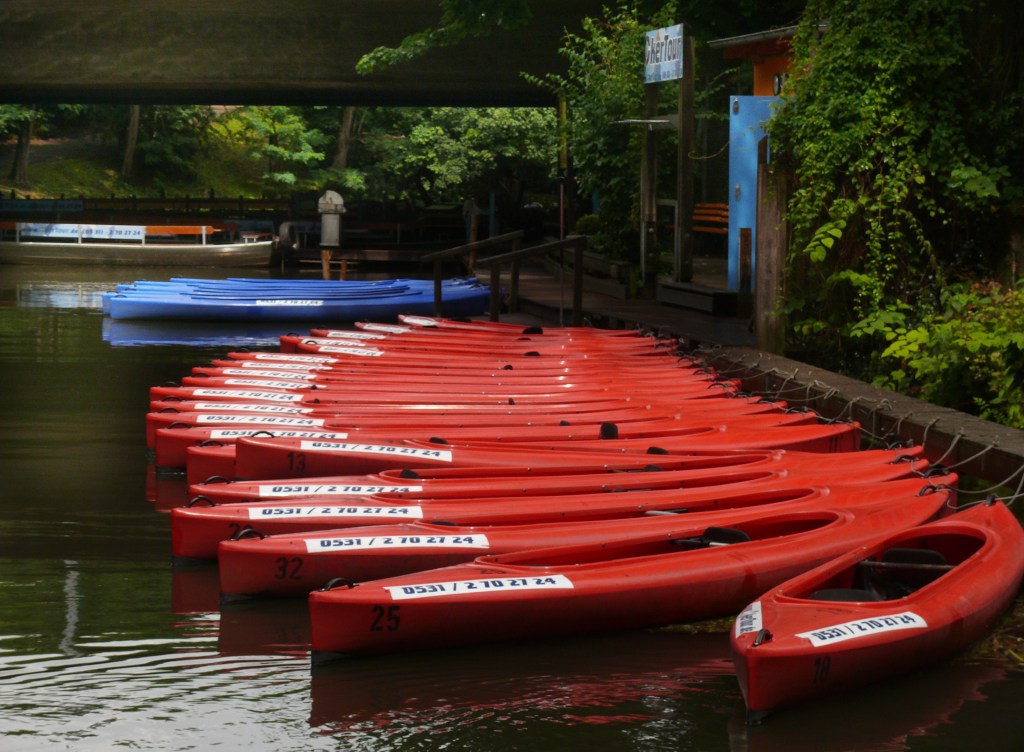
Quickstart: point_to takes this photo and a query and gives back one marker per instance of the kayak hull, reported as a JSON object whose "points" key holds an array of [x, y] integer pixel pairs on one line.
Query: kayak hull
{"points": [[940, 587], [567, 590], [252, 565]]}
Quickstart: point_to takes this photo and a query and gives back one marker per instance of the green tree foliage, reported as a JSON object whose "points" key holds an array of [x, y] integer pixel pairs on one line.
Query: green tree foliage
{"points": [[448, 154], [968, 353], [460, 20], [603, 86], [280, 141], [171, 140], [902, 164]]}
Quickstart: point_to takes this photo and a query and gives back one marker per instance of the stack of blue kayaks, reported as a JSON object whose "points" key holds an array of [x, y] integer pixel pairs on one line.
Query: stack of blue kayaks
{"points": [[242, 299]]}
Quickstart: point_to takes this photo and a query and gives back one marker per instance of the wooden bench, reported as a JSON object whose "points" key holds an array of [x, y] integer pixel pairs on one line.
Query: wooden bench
{"points": [[711, 219]]}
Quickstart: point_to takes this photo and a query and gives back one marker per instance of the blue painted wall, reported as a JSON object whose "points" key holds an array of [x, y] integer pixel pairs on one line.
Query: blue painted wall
{"points": [[747, 115]]}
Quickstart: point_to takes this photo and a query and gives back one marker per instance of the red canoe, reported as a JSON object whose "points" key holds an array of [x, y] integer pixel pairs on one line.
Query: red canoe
{"points": [[170, 443], [913, 598], [700, 572], [662, 472], [257, 457], [366, 416], [505, 327], [459, 344], [295, 564], [196, 530], [441, 366], [259, 391]]}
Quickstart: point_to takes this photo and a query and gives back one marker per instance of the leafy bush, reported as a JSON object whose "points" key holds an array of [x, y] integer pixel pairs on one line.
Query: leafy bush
{"points": [[894, 126], [969, 354]]}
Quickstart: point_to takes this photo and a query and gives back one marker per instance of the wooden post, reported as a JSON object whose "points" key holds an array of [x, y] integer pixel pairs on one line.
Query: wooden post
{"points": [[649, 196], [743, 296], [495, 292], [437, 287], [684, 170], [577, 282], [513, 286], [772, 232], [325, 262]]}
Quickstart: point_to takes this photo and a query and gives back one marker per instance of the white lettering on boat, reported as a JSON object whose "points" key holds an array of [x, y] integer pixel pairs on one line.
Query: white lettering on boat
{"points": [[234, 433], [346, 334], [267, 384], [259, 420], [442, 455], [749, 619], [419, 320], [390, 328], [863, 627], [245, 394], [292, 357], [490, 585], [328, 489], [351, 342], [289, 302], [282, 374], [366, 542], [252, 365], [250, 407], [366, 351], [269, 513]]}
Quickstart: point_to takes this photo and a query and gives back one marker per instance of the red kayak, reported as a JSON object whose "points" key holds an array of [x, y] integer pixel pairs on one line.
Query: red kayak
{"points": [[443, 367], [605, 386], [912, 598], [446, 324], [386, 418], [258, 457], [458, 345], [662, 472], [171, 443], [284, 393], [606, 380], [295, 564], [594, 337], [697, 572], [196, 530]]}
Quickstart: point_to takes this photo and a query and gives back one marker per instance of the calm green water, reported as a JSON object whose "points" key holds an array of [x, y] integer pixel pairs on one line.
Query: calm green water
{"points": [[103, 646]]}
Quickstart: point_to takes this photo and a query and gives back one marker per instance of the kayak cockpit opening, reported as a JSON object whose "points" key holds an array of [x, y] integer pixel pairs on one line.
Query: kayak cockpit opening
{"points": [[896, 571]]}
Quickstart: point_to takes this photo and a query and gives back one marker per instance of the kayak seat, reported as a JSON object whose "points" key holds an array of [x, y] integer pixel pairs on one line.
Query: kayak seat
{"points": [[904, 570], [849, 595], [714, 536]]}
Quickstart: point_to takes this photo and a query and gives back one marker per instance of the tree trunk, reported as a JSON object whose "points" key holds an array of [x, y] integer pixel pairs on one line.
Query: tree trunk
{"points": [[345, 130], [131, 140], [19, 170]]}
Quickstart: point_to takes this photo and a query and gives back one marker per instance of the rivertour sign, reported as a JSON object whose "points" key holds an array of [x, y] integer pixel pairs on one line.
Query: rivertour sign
{"points": [[663, 54]]}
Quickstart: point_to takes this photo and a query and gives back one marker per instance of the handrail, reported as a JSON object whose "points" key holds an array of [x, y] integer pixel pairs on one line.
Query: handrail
{"points": [[510, 238], [577, 243], [507, 238]]}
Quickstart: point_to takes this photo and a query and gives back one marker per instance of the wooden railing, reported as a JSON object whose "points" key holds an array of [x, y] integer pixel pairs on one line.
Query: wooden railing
{"points": [[576, 243], [510, 240]]}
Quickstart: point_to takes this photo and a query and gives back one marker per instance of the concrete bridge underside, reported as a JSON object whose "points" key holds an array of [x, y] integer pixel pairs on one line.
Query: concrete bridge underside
{"points": [[265, 52]]}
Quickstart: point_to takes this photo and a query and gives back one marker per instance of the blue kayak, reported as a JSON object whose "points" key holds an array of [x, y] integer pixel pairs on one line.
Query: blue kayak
{"points": [[293, 300]]}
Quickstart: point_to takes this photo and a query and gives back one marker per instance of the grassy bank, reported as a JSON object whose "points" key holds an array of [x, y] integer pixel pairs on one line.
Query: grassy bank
{"points": [[73, 167]]}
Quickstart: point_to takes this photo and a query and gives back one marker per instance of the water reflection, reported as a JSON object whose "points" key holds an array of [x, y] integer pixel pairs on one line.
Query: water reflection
{"points": [[641, 690], [885, 718], [62, 294], [71, 597], [131, 333], [103, 645]]}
